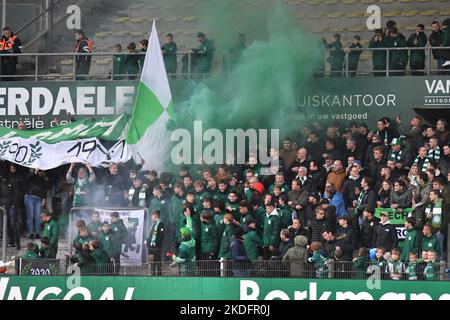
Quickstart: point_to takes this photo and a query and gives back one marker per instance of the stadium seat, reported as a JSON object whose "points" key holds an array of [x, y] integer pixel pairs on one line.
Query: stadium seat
{"points": [[410, 13], [136, 33], [138, 19], [355, 14], [190, 18], [102, 34], [428, 13], [335, 15], [356, 28], [394, 13], [121, 19], [120, 33], [337, 30], [318, 15]]}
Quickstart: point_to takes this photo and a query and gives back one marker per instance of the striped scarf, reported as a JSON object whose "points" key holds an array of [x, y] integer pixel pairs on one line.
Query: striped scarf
{"points": [[433, 211], [360, 198], [434, 154], [396, 156], [425, 163]]}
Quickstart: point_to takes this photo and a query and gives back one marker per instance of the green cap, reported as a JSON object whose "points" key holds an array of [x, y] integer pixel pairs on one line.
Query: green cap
{"points": [[185, 232]]}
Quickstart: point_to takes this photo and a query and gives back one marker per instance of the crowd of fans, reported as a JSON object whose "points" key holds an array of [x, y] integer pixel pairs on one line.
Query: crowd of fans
{"points": [[332, 198], [394, 62]]}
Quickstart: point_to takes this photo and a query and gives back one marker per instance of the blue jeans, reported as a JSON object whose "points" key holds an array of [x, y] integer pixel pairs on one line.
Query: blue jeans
{"points": [[33, 208]]}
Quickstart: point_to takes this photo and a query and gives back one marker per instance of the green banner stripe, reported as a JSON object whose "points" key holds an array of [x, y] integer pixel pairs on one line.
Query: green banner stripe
{"points": [[105, 129], [395, 216], [147, 109]]}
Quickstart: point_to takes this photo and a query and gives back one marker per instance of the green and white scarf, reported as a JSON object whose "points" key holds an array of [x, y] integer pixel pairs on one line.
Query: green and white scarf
{"points": [[142, 196], [434, 154]]}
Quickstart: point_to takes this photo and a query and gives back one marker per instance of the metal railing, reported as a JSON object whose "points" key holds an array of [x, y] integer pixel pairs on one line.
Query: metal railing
{"points": [[221, 63], [387, 71], [245, 269], [33, 60], [4, 231]]}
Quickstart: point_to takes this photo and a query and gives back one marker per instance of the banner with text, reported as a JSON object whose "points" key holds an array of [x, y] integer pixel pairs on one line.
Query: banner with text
{"points": [[36, 154]]}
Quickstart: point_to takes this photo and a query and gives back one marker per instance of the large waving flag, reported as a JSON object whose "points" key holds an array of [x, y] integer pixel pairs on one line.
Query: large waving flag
{"points": [[147, 135]]}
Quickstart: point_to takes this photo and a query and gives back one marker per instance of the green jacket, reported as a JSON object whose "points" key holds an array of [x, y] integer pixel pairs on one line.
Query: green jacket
{"points": [[121, 233], [336, 59], [30, 255], [284, 188], [205, 53], [397, 58], [252, 245], [118, 67], [218, 218], [170, 57], [359, 266], [431, 243], [163, 205], [431, 271], [320, 264], [131, 64], [82, 240], [94, 227], [109, 242], [411, 244], [353, 56], [411, 270], [186, 258], [222, 196], [417, 57], [379, 56], [100, 256], [176, 207], [271, 230], [200, 196], [51, 231], [209, 238], [225, 241], [285, 213], [260, 214]]}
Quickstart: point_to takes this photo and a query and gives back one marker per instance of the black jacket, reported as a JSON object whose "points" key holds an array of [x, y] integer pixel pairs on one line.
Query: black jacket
{"points": [[348, 191], [309, 185], [37, 186], [368, 228], [369, 200], [298, 232], [315, 229], [345, 239], [159, 237], [386, 236], [435, 39], [16, 185], [115, 185]]}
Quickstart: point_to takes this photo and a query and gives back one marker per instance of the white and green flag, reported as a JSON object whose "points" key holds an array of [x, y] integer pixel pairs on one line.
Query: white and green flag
{"points": [[147, 136]]}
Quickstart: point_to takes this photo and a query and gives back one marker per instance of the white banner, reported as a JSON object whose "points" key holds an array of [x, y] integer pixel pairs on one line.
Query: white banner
{"points": [[36, 154], [134, 220]]}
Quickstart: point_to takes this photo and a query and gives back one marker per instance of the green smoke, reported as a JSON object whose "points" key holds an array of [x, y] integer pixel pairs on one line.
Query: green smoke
{"points": [[262, 86]]}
